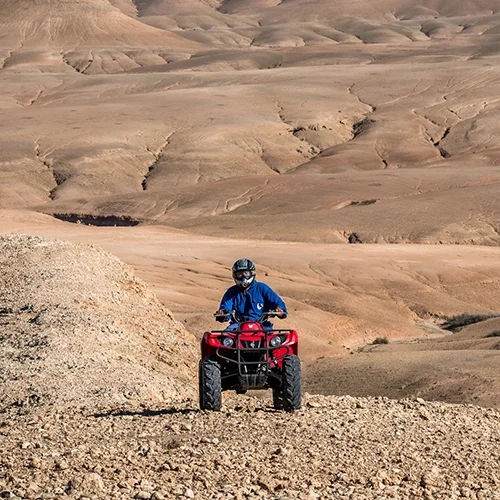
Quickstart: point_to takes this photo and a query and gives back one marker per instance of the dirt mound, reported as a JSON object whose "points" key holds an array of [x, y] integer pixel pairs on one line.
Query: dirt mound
{"points": [[86, 23], [341, 448], [78, 329]]}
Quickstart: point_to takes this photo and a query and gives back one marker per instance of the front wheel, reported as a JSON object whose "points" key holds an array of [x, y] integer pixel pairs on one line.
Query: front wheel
{"points": [[292, 383], [210, 384]]}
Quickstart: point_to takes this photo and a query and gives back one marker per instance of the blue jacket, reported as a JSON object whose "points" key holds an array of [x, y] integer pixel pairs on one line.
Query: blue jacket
{"points": [[253, 301]]}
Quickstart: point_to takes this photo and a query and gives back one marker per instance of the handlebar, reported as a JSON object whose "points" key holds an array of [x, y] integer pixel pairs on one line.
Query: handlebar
{"points": [[239, 318]]}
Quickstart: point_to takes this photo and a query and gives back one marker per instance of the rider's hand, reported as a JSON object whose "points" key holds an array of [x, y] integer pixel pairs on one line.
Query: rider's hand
{"points": [[220, 316], [280, 313]]}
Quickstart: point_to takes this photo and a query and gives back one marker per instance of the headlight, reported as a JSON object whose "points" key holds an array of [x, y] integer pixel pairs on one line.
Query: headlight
{"points": [[228, 341], [276, 341]]}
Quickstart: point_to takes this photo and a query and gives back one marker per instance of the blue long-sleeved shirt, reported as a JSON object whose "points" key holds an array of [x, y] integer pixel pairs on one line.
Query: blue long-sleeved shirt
{"points": [[253, 301]]}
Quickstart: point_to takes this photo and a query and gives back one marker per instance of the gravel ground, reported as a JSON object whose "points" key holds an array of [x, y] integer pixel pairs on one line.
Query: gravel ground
{"points": [[336, 447]]}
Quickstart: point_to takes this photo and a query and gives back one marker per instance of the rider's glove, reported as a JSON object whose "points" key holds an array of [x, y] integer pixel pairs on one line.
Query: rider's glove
{"points": [[220, 316], [282, 314]]}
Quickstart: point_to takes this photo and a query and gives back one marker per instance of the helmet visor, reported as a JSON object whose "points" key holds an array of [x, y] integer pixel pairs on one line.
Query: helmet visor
{"points": [[242, 274]]}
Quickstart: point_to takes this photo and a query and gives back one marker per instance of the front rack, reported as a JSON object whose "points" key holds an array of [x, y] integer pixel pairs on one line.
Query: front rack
{"points": [[264, 350]]}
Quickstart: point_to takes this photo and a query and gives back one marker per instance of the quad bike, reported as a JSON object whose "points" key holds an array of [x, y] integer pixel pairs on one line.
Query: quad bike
{"points": [[251, 356]]}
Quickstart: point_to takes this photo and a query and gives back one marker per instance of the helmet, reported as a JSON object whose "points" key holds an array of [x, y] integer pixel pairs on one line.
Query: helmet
{"points": [[244, 272]]}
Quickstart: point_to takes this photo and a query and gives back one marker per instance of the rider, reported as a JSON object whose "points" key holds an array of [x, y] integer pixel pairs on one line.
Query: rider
{"points": [[248, 297]]}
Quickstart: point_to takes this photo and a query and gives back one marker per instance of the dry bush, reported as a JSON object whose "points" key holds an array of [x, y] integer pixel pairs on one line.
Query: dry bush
{"points": [[380, 340], [456, 323]]}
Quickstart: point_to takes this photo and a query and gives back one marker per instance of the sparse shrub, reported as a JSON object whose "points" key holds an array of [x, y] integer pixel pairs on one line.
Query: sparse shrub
{"points": [[362, 203], [494, 333], [380, 340], [456, 323]]}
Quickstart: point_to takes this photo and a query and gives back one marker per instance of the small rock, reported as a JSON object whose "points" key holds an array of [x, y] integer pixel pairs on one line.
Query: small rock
{"points": [[62, 465], [34, 463], [143, 495], [92, 482], [189, 493], [435, 470], [146, 485], [33, 488], [314, 404], [157, 496]]}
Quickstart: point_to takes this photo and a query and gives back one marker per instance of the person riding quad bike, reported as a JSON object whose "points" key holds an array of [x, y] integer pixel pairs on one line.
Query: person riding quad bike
{"points": [[248, 297], [250, 353]]}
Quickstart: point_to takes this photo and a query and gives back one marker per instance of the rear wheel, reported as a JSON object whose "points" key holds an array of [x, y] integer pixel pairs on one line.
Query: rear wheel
{"points": [[210, 384], [292, 383], [278, 398]]}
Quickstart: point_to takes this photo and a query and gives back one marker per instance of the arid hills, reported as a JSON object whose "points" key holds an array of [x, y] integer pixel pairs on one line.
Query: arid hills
{"points": [[351, 149], [377, 121]]}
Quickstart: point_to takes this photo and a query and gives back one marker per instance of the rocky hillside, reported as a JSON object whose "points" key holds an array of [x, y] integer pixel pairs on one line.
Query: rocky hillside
{"points": [[78, 329]]}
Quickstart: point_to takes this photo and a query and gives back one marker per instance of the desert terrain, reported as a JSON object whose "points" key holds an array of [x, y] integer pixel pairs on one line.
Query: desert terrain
{"points": [[98, 401], [351, 149]]}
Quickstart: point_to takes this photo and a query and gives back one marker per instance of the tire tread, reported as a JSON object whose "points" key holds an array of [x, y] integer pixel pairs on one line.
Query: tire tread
{"points": [[292, 383], [210, 385]]}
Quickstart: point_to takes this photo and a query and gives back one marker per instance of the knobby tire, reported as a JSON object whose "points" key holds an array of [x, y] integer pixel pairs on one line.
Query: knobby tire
{"points": [[210, 384], [292, 383]]}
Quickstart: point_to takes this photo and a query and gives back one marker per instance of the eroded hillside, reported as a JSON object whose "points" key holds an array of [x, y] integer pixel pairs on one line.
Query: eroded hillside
{"points": [[370, 123]]}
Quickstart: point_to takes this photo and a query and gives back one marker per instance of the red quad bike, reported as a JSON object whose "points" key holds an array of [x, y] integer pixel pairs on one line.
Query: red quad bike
{"points": [[250, 357]]}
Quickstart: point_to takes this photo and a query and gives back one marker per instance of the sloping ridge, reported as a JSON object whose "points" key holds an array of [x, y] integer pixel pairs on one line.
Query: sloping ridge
{"points": [[365, 8], [78, 23], [78, 329]]}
